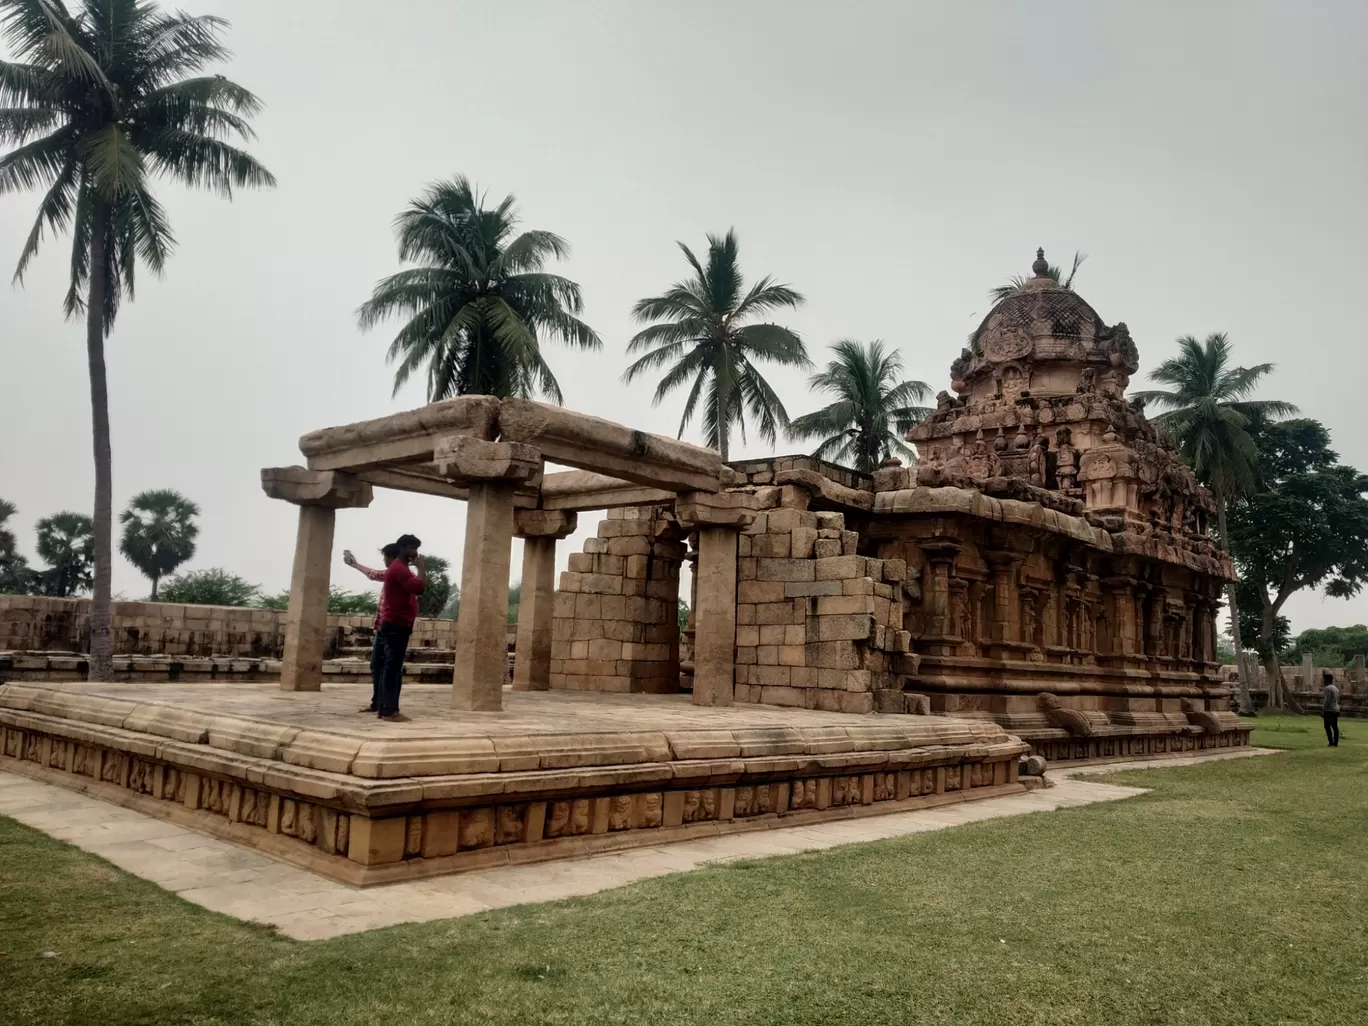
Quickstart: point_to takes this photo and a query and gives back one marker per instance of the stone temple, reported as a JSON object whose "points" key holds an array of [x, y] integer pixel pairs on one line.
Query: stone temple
{"points": [[1042, 583]]}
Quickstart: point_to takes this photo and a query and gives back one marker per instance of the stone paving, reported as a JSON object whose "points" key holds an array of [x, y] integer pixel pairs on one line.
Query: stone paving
{"points": [[238, 882]]}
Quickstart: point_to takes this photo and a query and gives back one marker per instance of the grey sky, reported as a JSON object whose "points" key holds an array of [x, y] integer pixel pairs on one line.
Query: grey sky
{"points": [[890, 160]]}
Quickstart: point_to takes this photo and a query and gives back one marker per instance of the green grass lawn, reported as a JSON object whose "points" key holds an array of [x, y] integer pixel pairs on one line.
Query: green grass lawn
{"points": [[1235, 892]]}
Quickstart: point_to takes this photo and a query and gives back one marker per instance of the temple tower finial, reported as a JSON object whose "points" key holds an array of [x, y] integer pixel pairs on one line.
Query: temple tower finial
{"points": [[1040, 266]]}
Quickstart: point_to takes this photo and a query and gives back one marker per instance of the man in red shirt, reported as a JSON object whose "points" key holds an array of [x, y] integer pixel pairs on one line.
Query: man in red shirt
{"points": [[377, 658], [399, 608]]}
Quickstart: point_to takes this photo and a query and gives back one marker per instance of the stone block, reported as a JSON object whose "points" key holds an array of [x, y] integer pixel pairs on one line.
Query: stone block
{"points": [[767, 655], [785, 696], [840, 568], [834, 655], [772, 545], [374, 842], [775, 612], [760, 591], [792, 655], [785, 570], [803, 543], [441, 833], [850, 541], [842, 604], [846, 627], [795, 634], [809, 589], [857, 586]]}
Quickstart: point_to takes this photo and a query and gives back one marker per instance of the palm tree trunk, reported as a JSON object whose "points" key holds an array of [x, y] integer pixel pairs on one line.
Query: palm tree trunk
{"points": [[723, 428], [101, 666], [1246, 699], [155, 581]]}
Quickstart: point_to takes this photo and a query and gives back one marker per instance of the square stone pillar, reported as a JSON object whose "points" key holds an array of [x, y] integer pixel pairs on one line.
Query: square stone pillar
{"points": [[718, 518], [540, 530], [492, 472], [318, 494]]}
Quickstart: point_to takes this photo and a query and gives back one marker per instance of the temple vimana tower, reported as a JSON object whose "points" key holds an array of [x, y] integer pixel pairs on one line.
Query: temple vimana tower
{"points": [[1046, 564]]}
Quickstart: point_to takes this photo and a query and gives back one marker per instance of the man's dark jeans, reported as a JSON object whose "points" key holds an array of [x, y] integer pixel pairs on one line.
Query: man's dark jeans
{"points": [[395, 638], [377, 669], [1331, 727]]}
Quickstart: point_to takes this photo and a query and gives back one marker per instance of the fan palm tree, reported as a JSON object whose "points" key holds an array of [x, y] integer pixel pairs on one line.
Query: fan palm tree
{"points": [[159, 533], [478, 303], [1207, 411], [15, 576], [1053, 271], [104, 95], [698, 327], [66, 542], [873, 409]]}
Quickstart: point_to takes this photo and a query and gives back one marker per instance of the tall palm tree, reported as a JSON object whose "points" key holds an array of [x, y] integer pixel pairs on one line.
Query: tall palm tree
{"points": [[478, 303], [1051, 271], [15, 576], [700, 330], [66, 542], [159, 533], [873, 409], [104, 95], [1208, 412]]}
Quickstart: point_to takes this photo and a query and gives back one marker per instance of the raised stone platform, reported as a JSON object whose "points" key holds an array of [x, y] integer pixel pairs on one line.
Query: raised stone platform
{"points": [[305, 778]]}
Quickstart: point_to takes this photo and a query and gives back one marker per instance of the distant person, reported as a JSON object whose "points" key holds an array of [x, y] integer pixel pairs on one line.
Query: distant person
{"points": [[398, 610], [377, 657], [1330, 713]]}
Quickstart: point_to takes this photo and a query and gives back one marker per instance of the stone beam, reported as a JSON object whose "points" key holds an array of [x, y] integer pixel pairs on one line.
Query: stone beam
{"points": [[736, 510], [826, 490], [590, 443], [315, 487], [407, 480], [401, 437], [465, 459], [539, 529], [581, 490]]}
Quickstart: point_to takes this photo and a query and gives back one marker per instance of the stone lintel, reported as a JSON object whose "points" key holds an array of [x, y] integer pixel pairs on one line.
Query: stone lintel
{"points": [[718, 509], [579, 490], [544, 523], [332, 489], [825, 489], [464, 458], [401, 437], [408, 479], [591, 443]]}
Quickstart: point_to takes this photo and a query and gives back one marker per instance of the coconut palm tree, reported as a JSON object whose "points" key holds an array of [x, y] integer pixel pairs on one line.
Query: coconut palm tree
{"points": [[1208, 412], [105, 94], [873, 410], [478, 304], [66, 542], [159, 533], [1051, 271], [698, 328]]}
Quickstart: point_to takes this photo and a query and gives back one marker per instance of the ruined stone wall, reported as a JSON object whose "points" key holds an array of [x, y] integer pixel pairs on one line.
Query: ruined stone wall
{"points": [[615, 625], [36, 624], [818, 626]]}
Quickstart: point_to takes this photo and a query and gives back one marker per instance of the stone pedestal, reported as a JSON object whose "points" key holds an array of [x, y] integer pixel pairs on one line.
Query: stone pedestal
{"points": [[318, 494], [540, 531]]}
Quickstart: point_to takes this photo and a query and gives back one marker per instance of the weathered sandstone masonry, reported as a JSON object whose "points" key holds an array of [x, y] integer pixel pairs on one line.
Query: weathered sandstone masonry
{"points": [[579, 776]]}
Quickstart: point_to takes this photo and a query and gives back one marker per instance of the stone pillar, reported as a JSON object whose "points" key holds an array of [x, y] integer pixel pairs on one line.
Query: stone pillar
{"points": [[1356, 674], [318, 494], [1124, 629], [1308, 672], [540, 530], [1005, 628], [492, 471], [938, 635], [718, 518]]}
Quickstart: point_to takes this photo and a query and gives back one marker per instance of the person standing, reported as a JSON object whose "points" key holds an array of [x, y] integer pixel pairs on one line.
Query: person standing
{"points": [[399, 602], [377, 657], [1330, 712]]}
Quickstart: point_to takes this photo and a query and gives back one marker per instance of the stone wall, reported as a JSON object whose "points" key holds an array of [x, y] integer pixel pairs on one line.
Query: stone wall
{"points": [[818, 626], [615, 625], [34, 624]]}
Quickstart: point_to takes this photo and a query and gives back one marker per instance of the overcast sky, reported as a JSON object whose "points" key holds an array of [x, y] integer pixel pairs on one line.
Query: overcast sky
{"points": [[890, 160]]}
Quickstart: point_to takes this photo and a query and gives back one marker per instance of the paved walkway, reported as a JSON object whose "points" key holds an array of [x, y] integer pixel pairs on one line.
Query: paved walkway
{"points": [[243, 883]]}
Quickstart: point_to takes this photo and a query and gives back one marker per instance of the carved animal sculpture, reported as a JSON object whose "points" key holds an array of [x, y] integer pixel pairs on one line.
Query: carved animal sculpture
{"points": [[1201, 718], [1064, 718]]}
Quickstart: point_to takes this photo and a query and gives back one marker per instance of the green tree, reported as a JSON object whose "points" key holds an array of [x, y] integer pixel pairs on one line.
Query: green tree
{"points": [[104, 95], [478, 304], [159, 532], [514, 601], [15, 576], [67, 545], [1040, 266], [434, 597], [873, 409], [1331, 646], [1305, 527], [1209, 413], [212, 587], [698, 329]]}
